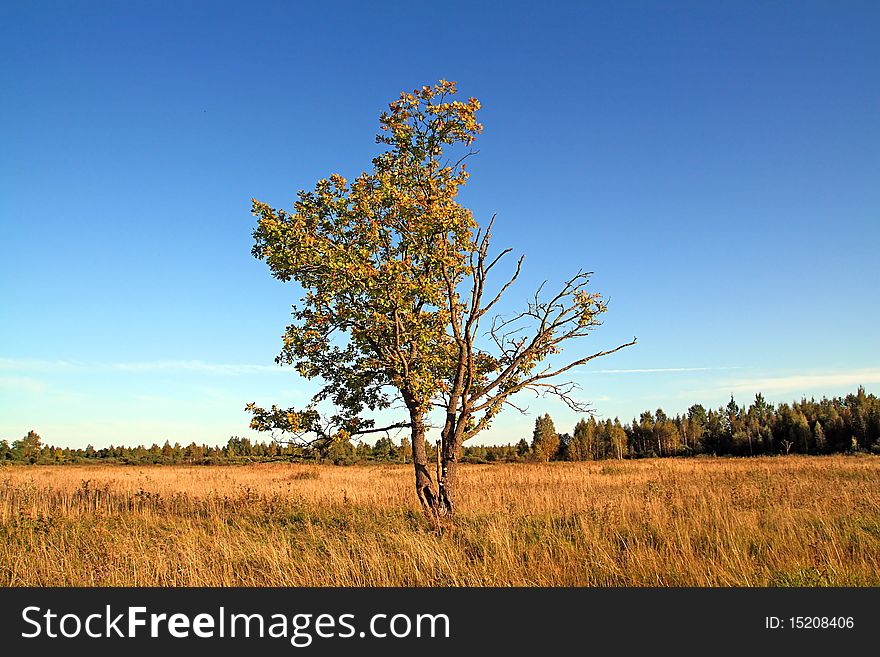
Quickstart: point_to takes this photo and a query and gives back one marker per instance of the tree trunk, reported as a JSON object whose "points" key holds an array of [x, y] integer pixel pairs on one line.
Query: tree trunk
{"points": [[425, 487], [449, 475]]}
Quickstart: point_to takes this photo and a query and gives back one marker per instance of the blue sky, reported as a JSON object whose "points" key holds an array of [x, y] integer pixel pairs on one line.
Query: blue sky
{"points": [[716, 165]]}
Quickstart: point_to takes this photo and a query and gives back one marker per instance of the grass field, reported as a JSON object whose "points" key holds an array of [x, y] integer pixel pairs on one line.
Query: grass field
{"points": [[782, 521]]}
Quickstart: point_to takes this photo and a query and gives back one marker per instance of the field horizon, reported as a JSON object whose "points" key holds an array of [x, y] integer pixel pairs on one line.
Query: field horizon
{"points": [[707, 521]]}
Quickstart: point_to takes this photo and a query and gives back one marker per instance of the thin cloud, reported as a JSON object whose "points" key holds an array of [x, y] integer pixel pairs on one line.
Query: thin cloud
{"points": [[192, 366], [22, 384], [26, 365], [198, 366], [653, 370], [798, 382]]}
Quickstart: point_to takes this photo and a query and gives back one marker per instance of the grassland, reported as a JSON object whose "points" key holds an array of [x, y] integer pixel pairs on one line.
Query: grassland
{"points": [[792, 521]]}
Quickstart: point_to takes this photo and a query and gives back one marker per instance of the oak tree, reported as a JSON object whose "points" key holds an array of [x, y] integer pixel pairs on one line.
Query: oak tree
{"points": [[394, 275]]}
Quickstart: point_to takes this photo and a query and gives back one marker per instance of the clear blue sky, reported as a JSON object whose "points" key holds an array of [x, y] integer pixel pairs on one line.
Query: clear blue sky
{"points": [[716, 164]]}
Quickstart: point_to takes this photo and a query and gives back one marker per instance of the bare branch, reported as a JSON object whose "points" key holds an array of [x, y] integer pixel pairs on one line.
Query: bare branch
{"points": [[398, 425], [506, 285]]}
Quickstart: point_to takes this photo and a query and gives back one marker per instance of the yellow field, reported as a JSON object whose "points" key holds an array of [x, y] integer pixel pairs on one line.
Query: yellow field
{"points": [[784, 521]]}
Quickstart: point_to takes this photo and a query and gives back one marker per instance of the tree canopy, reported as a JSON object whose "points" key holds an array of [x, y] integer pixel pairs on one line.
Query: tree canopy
{"points": [[371, 256]]}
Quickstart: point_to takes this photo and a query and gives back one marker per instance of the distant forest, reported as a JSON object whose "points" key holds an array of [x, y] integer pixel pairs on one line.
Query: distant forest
{"points": [[848, 424]]}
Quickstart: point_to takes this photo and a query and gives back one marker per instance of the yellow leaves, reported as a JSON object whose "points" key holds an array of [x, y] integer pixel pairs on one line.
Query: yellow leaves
{"points": [[446, 86], [370, 255]]}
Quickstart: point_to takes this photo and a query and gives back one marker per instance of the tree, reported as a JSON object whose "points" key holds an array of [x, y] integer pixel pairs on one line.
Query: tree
{"points": [[666, 434], [394, 272], [760, 414], [819, 437], [697, 421], [581, 447], [562, 450], [800, 432], [405, 449], [385, 449], [28, 448], [618, 439], [545, 440], [341, 452], [645, 432]]}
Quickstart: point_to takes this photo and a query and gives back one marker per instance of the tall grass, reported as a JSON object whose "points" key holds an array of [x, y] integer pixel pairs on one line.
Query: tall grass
{"points": [[792, 521]]}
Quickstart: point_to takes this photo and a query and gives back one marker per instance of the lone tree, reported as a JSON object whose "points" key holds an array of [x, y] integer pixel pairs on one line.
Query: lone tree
{"points": [[394, 273]]}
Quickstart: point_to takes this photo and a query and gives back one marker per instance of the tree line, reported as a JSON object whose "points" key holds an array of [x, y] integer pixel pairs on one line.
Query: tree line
{"points": [[32, 450], [838, 425]]}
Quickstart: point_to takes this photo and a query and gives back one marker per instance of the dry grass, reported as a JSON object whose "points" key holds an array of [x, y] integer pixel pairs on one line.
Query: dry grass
{"points": [[793, 521]]}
